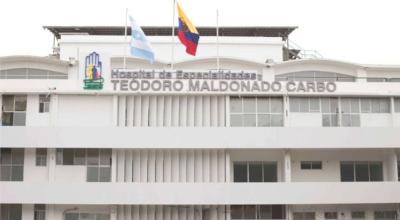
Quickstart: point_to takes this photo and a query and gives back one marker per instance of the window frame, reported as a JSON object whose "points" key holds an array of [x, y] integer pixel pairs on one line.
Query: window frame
{"points": [[354, 172], [39, 212], [41, 157], [313, 165], [273, 117], [263, 164], [14, 111], [44, 103], [16, 168]]}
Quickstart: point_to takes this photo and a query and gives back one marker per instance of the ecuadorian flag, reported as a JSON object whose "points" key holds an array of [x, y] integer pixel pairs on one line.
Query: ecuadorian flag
{"points": [[187, 33]]}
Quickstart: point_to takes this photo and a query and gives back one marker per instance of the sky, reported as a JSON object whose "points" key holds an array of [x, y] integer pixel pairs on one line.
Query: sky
{"points": [[358, 31]]}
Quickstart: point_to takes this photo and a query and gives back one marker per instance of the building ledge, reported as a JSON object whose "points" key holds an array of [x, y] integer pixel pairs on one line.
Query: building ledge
{"points": [[207, 137]]}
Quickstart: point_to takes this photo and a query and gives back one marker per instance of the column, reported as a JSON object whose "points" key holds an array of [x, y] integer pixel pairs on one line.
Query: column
{"points": [[183, 111], [145, 111], [51, 158], [214, 111], [121, 111], [206, 111], [153, 111], [287, 166], [114, 165], [120, 165], [175, 111], [128, 165], [160, 111], [136, 166], [130, 110], [115, 111], [138, 111]]}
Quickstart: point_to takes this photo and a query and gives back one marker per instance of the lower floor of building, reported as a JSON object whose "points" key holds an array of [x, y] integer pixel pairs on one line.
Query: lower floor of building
{"points": [[200, 212]]}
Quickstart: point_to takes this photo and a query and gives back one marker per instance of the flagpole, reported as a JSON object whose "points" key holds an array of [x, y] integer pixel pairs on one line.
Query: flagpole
{"points": [[218, 66], [126, 33], [173, 35]]}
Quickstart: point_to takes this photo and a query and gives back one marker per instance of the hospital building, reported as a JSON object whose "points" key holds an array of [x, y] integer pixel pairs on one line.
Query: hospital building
{"points": [[253, 127]]}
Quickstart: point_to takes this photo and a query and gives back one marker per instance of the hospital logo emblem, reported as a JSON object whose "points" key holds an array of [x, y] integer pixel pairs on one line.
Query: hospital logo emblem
{"points": [[93, 72]]}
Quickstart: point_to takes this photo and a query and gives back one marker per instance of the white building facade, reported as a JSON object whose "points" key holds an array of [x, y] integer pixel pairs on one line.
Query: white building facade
{"points": [[91, 135]]}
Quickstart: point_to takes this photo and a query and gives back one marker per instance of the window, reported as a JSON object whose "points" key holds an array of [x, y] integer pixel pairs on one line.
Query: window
{"points": [[311, 165], [398, 170], [14, 110], [97, 161], [304, 104], [86, 216], [11, 211], [98, 165], [28, 73], [304, 216], [257, 212], [397, 105], [361, 171], [385, 215], [41, 157], [255, 172], [39, 212], [44, 103], [318, 76], [375, 105], [11, 164], [350, 112], [330, 215], [329, 108], [358, 215], [256, 111]]}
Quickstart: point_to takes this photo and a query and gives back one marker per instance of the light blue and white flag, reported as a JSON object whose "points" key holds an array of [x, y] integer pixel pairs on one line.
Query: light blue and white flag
{"points": [[140, 47]]}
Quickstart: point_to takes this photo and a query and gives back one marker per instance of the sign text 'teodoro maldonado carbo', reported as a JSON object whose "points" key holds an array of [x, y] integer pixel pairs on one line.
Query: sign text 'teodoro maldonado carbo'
{"points": [[208, 81]]}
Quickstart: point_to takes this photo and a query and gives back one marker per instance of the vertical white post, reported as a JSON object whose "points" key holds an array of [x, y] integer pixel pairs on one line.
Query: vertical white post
{"points": [[126, 33], [128, 166], [190, 166], [114, 165], [143, 165], [206, 111], [287, 166], [175, 166], [136, 166], [153, 111], [218, 65], [206, 166], [121, 111], [182, 166], [120, 165], [173, 34], [130, 111], [183, 111], [151, 173], [159, 166], [160, 111], [145, 111], [221, 166], [167, 166], [227, 167], [175, 111]]}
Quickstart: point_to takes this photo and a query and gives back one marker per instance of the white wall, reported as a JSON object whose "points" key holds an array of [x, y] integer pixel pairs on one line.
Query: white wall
{"points": [[33, 117], [304, 119], [376, 120], [33, 173], [70, 173], [85, 110]]}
